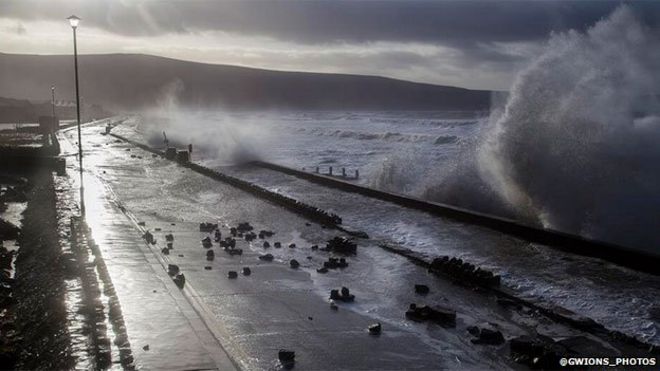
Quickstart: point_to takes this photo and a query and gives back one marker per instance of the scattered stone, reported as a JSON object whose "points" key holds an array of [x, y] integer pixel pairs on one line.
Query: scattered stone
{"points": [[463, 272], [333, 305], [266, 245], [206, 242], [308, 224], [266, 233], [334, 263], [232, 275], [344, 295], [180, 280], [266, 257], [207, 227], [422, 289], [208, 267], [169, 237], [233, 231], [172, 269], [217, 235], [244, 227], [488, 336], [341, 245], [165, 251], [210, 255], [247, 271], [375, 329], [158, 229], [286, 357], [149, 237], [141, 224], [294, 263], [322, 270], [278, 245], [146, 347], [315, 247], [440, 315], [535, 353], [180, 255], [292, 245], [233, 252]]}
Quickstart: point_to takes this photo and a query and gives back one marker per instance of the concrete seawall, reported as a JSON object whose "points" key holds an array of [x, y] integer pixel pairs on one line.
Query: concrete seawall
{"points": [[635, 259]]}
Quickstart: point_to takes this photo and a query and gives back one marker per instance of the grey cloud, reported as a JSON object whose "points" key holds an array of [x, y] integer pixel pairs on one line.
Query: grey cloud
{"points": [[448, 22]]}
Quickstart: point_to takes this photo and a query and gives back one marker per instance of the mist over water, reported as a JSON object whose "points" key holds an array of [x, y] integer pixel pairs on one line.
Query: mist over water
{"points": [[577, 146], [221, 137]]}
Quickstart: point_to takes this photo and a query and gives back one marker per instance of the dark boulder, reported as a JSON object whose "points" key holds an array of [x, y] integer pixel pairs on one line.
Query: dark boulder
{"points": [[149, 238], [344, 295], [180, 280], [294, 263], [266, 257], [422, 289], [292, 245], [375, 329], [244, 227], [232, 275], [286, 357], [341, 245], [165, 251], [278, 245], [233, 252], [206, 242], [172, 269], [247, 271], [439, 315], [210, 255], [489, 336], [322, 270], [207, 227], [266, 244]]}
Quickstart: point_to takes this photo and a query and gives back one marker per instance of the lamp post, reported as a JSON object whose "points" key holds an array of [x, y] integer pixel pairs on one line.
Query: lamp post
{"points": [[52, 100], [73, 20]]}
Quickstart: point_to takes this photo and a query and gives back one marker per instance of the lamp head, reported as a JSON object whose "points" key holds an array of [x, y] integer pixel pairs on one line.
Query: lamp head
{"points": [[73, 21]]}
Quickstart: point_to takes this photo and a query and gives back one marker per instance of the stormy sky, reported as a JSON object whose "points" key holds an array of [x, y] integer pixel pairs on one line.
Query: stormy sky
{"points": [[474, 44]]}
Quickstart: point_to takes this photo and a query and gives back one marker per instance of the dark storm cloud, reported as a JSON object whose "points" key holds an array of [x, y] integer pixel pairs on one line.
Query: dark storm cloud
{"points": [[448, 22]]}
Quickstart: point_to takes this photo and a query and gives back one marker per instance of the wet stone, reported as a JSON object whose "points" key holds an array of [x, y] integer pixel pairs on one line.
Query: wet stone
{"points": [[180, 280], [286, 357], [422, 289], [266, 257], [375, 329], [489, 336], [172, 269]]}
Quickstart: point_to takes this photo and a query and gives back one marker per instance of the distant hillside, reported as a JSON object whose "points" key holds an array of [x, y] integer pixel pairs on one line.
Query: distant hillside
{"points": [[135, 81]]}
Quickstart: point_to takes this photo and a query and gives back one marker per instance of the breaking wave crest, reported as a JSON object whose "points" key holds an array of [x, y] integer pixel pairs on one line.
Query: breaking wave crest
{"points": [[576, 147]]}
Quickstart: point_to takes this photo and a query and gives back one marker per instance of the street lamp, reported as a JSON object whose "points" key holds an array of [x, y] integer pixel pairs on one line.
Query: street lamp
{"points": [[73, 20]]}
